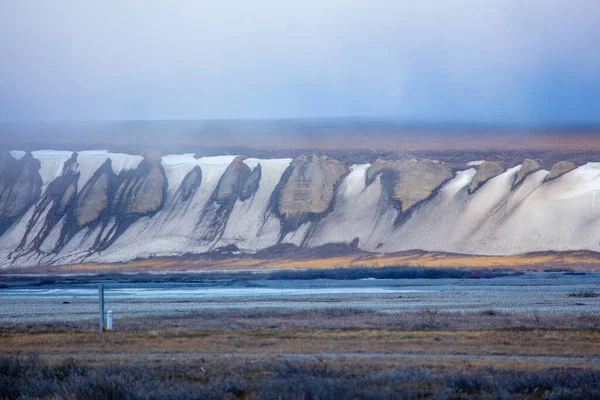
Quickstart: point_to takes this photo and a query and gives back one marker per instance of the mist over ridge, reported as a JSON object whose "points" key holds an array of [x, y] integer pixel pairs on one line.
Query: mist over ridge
{"points": [[158, 128], [486, 62]]}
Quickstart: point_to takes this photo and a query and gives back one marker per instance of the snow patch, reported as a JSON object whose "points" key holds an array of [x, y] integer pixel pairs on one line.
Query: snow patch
{"points": [[177, 166], [52, 162], [475, 163], [17, 154], [90, 160]]}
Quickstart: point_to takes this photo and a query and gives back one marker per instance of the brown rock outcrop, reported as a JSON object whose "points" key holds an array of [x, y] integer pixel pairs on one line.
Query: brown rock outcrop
{"points": [[251, 185], [559, 169], [191, 183], [410, 181], [486, 171], [67, 198], [20, 185], [528, 167], [144, 193], [310, 185], [94, 197], [230, 184]]}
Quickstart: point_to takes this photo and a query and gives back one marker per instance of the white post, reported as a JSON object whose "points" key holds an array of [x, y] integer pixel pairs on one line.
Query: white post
{"points": [[109, 319], [101, 295]]}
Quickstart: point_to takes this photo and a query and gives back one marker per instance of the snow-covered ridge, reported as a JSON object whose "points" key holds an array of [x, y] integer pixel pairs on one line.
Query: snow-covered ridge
{"points": [[71, 208], [89, 161]]}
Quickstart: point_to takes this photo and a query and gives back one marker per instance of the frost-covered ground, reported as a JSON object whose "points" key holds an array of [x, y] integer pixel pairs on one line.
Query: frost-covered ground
{"points": [[544, 293]]}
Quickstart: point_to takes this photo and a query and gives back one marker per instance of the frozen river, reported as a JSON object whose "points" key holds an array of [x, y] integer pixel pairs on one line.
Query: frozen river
{"points": [[531, 292], [192, 293]]}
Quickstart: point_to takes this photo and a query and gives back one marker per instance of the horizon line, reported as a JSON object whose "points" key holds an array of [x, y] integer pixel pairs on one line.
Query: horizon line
{"points": [[397, 121]]}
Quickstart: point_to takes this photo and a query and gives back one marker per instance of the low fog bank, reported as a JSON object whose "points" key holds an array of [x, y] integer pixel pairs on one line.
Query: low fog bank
{"points": [[293, 136]]}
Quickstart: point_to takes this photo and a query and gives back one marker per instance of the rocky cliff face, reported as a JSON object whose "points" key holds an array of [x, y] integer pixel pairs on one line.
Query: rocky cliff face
{"points": [[486, 171], [410, 181], [108, 203], [53, 206], [232, 182], [251, 184], [528, 167], [228, 191], [145, 193], [191, 183], [20, 185], [65, 207], [307, 189], [94, 198], [560, 168]]}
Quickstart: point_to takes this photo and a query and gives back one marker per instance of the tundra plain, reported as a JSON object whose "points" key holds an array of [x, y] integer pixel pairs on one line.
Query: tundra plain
{"points": [[420, 333]]}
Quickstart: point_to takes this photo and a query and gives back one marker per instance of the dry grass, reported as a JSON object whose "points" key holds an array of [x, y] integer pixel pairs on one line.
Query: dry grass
{"points": [[326, 318], [508, 342], [575, 261], [296, 355], [300, 363], [243, 378]]}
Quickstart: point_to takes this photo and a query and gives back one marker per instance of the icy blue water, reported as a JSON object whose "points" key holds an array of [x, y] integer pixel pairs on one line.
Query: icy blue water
{"points": [[200, 292], [545, 293]]}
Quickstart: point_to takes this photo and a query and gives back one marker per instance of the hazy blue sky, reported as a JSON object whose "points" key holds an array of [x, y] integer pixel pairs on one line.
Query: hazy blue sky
{"points": [[499, 61]]}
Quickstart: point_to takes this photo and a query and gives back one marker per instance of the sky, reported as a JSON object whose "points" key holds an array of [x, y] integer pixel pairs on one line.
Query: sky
{"points": [[481, 61]]}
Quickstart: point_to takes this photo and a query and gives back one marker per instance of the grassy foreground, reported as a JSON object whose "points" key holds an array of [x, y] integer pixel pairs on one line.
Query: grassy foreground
{"points": [[307, 355], [280, 379]]}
